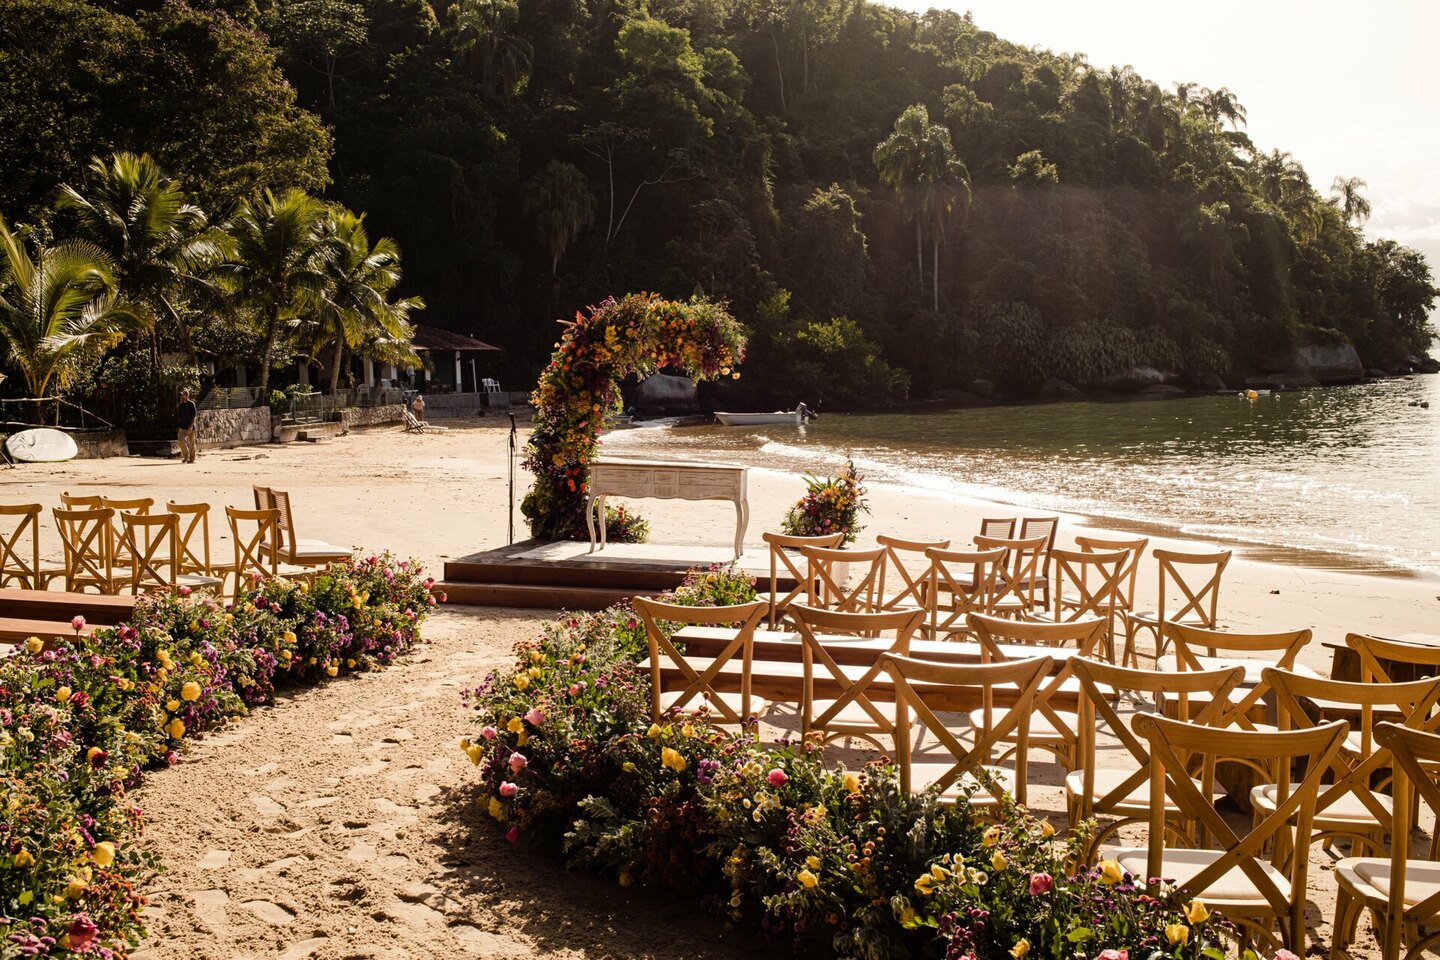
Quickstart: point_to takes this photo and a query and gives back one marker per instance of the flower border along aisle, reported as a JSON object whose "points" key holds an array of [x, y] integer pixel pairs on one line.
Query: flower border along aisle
{"points": [[82, 719], [840, 862], [640, 333]]}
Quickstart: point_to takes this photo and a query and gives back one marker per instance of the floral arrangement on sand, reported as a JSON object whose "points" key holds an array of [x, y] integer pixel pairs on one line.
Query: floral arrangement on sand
{"points": [[830, 505]]}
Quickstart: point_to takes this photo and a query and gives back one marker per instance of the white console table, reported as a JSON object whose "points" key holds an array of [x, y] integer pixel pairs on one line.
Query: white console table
{"points": [[641, 479]]}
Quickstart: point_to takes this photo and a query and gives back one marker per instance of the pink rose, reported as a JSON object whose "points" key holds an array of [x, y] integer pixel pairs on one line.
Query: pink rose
{"points": [[1041, 883], [575, 689], [1113, 954], [512, 834], [777, 777], [535, 717], [77, 623], [184, 591], [489, 733], [508, 789], [1283, 954], [518, 762], [82, 933]]}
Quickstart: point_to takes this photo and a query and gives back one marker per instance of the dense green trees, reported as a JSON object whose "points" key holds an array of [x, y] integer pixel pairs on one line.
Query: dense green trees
{"points": [[910, 192]]}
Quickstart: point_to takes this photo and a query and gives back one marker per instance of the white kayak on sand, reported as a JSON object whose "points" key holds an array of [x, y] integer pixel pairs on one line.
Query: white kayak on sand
{"points": [[42, 445]]}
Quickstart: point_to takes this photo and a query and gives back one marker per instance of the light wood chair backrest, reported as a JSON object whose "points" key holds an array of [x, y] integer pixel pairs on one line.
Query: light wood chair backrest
{"points": [[1002, 528], [253, 533], [153, 543], [19, 564], [1196, 577], [194, 536], [961, 582], [88, 540], [1376, 652], [1088, 584], [785, 559], [1304, 700], [1024, 562], [265, 500], [139, 506], [926, 689], [905, 572], [1100, 687], [699, 684], [1046, 527], [1174, 744], [1276, 649], [1417, 756], [81, 501], [832, 591], [1136, 550], [821, 630]]}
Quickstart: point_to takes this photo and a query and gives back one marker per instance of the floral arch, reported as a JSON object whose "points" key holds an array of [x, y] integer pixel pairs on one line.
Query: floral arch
{"points": [[639, 333]]}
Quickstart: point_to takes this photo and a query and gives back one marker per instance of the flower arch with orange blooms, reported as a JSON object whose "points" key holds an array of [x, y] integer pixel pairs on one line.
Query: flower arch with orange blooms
{"points": [[640, 333]]}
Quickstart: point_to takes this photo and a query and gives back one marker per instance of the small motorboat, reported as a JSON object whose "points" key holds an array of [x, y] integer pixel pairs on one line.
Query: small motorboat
{"points": [[797, 417]]}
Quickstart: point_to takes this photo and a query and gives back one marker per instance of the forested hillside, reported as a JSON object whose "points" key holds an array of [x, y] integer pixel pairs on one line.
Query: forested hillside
{"points": [[894, 203]]}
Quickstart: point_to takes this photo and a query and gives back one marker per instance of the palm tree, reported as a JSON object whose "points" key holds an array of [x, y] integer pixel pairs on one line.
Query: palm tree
{"points": [[1345, 193], [1221, 105], [484, 33], [160, 244], [354, 310], [918, 162], [559, 199], [57, 308], [279, 270]]}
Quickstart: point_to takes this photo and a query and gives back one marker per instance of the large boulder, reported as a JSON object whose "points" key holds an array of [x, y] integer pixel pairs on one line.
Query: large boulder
{"points": [[1054, 388], [1330, 362], [1136, 378], [666, 395], [1205, 380]]}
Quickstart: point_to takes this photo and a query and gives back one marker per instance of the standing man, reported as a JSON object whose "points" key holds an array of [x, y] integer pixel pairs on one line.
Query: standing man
{"points": [[185, 424]]}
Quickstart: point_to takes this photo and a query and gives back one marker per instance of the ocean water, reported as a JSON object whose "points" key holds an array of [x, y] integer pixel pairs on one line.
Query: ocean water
{"points": [[1344, 477]]}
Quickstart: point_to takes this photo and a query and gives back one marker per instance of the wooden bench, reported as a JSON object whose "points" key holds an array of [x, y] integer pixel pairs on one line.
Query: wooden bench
{"points": [[16, 630], [60, 606]]}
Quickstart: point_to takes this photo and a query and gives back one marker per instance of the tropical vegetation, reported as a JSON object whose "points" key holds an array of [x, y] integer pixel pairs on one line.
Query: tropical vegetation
{"points": [[84, 718]]}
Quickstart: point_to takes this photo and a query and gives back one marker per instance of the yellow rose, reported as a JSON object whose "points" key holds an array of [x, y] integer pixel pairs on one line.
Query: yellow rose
{"points": [[476, 753], [497, 809], [196, 659], [654, 732], [24, 859], [1022, 947], [332, 670], [62, 694], [75, 889], [851, 783], [350, 664], [812, 862], [172, 705], [534, 673], [1196, 912], [1046, 830], [521, 681], [925, 884], [522, 738], [1111, 872], [908, 917], [998, 862], [938, 872], [991, 837], [670, 757], [176, 729], [35, 645], [464, 743], [289, 637], [628, 767], [103, 854], [688, 730], [516, 725], [1177, 934], [807, 879]]}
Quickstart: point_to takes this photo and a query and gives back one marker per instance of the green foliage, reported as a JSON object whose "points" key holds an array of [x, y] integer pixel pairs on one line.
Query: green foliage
{"points": [[834, 363]]}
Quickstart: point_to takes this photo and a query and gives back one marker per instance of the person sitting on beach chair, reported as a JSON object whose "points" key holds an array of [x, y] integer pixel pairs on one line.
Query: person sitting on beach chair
{"points": [[419, 426]]}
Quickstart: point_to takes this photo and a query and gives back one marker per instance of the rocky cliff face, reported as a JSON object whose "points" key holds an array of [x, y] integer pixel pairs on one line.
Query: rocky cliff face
{"points": [[1330, 363], [663, 394]]}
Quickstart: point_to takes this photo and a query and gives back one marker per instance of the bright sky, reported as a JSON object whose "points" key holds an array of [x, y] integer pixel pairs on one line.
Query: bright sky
{"points": [[1349, 89]]}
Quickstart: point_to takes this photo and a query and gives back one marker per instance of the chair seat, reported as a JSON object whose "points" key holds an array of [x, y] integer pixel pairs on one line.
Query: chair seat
{"points": [[1135, 804], [1346, 813], [1234, 890], [1370, 877], [852, 716], [198, 581], [696, 705]]}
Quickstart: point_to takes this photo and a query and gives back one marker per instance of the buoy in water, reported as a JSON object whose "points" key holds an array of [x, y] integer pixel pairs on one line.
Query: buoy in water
{"points": [[1252, 395]]}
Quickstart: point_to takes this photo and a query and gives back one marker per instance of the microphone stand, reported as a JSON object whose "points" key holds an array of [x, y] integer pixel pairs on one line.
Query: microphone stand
{"points": [[513, 431]]}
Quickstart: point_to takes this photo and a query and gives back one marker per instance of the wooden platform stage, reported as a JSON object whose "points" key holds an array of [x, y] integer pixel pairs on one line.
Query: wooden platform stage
{"points": [[566, 575]]}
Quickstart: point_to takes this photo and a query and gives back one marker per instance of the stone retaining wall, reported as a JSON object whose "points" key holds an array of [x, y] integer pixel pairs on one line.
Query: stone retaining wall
{"points": [[445, 406], [99, 444], [355, 418], [218, 429]]}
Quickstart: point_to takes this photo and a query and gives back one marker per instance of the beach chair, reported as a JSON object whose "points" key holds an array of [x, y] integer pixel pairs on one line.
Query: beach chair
{"points": [[926, 692], [412, 425], [1196, 576], [1401, 893], [852, 712], [695, 693], [784, 549], [153, 543], [905, 572], [87, 539], [19, 561], [302, 552], [1232, 874], [252, 532]]}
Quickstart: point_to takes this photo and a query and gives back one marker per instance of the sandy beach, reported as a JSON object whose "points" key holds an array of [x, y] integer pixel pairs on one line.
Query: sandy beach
{"points": [[340, 823]]}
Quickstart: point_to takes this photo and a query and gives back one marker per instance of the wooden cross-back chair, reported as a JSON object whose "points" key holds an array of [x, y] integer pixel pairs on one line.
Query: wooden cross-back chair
{"points": [[1046, 527], [1349, 805], [1135, 551], [695, 692], [1198, 648], [926, 689], [1087, 585], [1091, 791], [1019, 573], [153, 543], [1002, 528], [855, 591], [1401, 893], [1234, 876], [81, 501], [1379, 658], [1196, 577], [87, 538], [785, 560], [1051, 729], [137, 506], [252, 532], [303, 552], [194, 537], [846, 704], [19, 561], [905, 572], [962, 582]]}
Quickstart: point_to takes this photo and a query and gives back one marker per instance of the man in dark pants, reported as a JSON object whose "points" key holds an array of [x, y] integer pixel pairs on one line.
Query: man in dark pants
{"points": [[185, 424]]}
